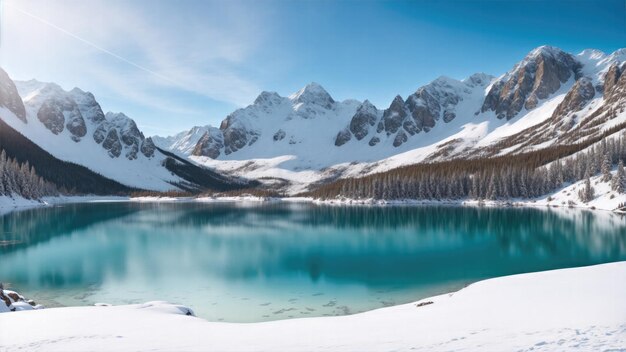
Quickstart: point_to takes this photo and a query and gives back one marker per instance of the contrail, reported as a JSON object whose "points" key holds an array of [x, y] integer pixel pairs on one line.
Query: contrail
{"points": [[91, 44]]}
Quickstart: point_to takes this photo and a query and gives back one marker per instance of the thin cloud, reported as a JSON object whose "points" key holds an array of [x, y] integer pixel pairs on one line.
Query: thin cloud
{"points": [[205, 57]]}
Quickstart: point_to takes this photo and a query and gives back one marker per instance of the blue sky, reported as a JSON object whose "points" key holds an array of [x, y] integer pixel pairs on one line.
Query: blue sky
{"points": [[174, 64]]}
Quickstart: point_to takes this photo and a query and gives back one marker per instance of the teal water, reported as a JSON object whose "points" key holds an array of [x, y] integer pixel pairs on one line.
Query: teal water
{"points": [[243, 263]]}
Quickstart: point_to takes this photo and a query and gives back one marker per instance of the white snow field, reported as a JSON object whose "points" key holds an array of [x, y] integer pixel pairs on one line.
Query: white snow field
{"points": [[580, 309]]}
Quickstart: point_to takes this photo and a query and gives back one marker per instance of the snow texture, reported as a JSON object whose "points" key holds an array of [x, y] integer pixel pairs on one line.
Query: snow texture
{"points": [[580, 309]]}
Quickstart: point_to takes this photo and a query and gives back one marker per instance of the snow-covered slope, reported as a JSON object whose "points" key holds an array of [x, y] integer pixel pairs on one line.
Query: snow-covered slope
{"points": [[182, 143], [70, 126], [318, 131], [549, 98], [580, 309]]}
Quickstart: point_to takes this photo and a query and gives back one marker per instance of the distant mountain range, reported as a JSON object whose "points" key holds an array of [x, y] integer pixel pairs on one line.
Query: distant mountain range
{"points": [[549, 98]]}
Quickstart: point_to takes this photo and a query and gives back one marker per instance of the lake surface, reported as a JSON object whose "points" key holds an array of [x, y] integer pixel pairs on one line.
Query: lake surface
{"points": [[242, 262]]}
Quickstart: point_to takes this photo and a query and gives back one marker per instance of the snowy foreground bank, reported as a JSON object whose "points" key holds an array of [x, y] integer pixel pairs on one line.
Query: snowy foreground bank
{"points": [[580, 309]]}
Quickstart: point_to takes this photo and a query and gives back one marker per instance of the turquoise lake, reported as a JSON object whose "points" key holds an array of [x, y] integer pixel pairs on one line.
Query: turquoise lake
{"points": [[240, 262]]}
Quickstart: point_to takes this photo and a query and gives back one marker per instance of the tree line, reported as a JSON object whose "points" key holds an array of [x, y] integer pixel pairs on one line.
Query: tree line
{"points": [[22, 179], [516, 176]]}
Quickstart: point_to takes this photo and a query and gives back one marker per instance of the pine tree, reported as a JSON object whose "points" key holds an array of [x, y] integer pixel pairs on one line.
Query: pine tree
{"points": [[586, 194], [606, 168], [618, 182]]}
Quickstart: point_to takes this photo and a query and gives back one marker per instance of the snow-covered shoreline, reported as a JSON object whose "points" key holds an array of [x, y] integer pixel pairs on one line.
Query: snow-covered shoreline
{"points": [[569, 309], [8, 204]]}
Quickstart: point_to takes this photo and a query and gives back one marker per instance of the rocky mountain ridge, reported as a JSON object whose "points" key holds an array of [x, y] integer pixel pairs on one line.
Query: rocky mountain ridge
{"points": [[549, 97], [77, 146], [79, 112], [537, 77]]}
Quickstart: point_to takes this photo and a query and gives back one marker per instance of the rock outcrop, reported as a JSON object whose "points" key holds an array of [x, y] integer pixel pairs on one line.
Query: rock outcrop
{"points": [[59, 108], [538, 76], [343, 137], [10, 98], [365, 117], [581, 93], [210, 144]]}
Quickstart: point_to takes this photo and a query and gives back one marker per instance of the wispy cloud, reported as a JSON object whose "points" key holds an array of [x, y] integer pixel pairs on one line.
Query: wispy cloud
{"points": [[137, 49]]}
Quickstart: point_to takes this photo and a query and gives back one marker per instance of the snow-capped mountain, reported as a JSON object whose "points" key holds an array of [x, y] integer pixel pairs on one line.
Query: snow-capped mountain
{"points": [[184, 142], [75, 113], [71, 126], [549, 97], [320, 131]]}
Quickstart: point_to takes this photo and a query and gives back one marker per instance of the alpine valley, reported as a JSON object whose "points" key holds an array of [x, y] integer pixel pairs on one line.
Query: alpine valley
{"points": [[552, 105]]}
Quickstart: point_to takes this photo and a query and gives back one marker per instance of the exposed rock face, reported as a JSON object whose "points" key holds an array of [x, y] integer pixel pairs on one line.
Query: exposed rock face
{"points": [[394, 115], [343, 137], [611, 78], [580, 94], [10, 98], [148, 147], [80, 114], [538, 76], [365, 117], [375, 140], [424, 109], [400, 138], [76, 126], [279, 135], [88, 106], [101, 132], [615, 83], [112, 143], [128, 132], [431, 103], [210, 144], [119, 133], [51, 115], [448, 116], [236, 136]]}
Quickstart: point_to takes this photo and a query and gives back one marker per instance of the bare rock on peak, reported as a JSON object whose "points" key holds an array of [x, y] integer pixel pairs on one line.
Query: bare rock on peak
{"points": [[394, 115], [540, 74], [364, 118], [10, 98], [88, 106], [314, 94]]}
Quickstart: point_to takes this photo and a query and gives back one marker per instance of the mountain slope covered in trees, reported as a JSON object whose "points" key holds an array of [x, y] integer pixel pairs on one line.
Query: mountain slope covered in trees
{"points": [[22, 179], [520, 176]]}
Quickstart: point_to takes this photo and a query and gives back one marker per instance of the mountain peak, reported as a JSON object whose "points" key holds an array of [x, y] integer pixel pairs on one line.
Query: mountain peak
{"points": [[592, 54], [545, 50], [267, 98], [313, 93], [478, 79], [618, 55], [31, 88], [116, 115]]}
